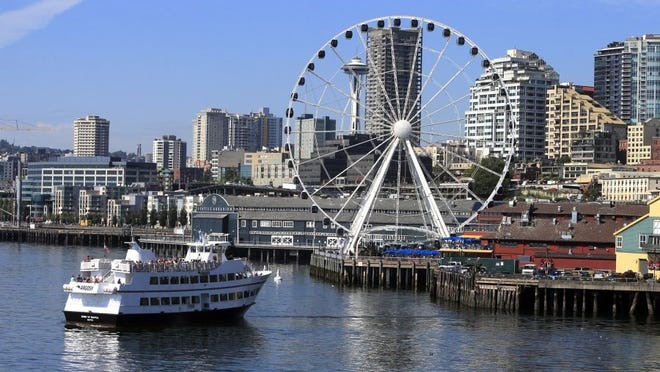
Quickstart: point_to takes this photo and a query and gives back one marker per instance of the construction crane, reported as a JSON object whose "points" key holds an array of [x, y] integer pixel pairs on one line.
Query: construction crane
{"points": [[12, 125]]}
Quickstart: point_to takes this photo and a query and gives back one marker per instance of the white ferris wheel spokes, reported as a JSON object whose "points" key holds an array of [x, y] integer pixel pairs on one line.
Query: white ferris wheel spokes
{"points": [[376, 134]]}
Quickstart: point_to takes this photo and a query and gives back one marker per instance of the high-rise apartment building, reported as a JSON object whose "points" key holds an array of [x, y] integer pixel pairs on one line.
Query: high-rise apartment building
{"points": [[91, 136], [312, 134], [210, 132], [526, 77], [579, 127], [627, 78], [215, 130], [169, 152], [394, 60]]}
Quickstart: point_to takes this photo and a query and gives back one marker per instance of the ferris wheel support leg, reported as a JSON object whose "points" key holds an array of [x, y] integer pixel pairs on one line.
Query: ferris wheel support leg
{"points": [[370, 198], [426, 195]]}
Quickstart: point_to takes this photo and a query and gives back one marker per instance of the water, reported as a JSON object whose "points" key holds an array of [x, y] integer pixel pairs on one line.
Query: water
{"points": [[304, 324]]}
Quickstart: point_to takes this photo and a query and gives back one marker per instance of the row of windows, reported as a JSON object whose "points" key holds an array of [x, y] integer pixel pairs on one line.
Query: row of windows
{"points": [[185, 300], [194, 279]]}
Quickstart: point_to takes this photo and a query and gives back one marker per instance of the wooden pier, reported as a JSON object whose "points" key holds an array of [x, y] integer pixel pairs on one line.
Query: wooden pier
{"points": [[511, 293]]}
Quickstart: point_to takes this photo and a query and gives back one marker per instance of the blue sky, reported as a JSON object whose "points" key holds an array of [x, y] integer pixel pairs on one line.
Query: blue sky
{"points": [[149, 66]]}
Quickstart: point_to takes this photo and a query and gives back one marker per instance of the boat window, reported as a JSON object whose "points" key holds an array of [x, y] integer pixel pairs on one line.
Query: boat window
{"points": [[185, 300], [176, 300], [207, 249], [239, 295], [203, 278], [195, 299], [193, 249], [232, 296], [164, 300], [164, 280], [222, 277], [154, 301], [153, 280], [231, 276], [223, 297], [213, 278], [144, 301], [174, 280], [246, 293], [252, 293], [194, 279], [214, 298], [185, 280]]}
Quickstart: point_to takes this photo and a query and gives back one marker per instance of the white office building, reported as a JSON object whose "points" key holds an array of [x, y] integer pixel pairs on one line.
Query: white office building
{"points": [[91, 136]]}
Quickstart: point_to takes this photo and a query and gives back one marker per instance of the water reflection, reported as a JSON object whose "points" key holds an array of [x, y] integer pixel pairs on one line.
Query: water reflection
{"points": [[191, 347]]}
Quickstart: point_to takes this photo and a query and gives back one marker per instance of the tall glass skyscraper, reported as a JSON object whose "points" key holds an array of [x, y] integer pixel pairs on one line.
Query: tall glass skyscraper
{"points": [[394, 60], [627, 78]]}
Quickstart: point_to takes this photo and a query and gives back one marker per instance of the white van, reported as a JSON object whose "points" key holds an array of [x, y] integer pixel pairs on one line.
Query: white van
{"points": [[529, 269]]}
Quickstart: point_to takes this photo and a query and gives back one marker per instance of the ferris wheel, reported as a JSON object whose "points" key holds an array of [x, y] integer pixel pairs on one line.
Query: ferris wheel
{"points": [[380, 130]]}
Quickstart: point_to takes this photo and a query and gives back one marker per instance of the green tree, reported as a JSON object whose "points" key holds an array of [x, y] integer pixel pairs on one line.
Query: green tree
{"points": [[484, 181], [171, 217], [153, 217], [207, 176], [230, 175], [183, 217], [162, 217], [142, 217]]}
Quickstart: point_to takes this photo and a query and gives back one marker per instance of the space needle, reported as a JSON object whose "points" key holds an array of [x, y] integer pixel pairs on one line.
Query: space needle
{"points": [[356, 69]]}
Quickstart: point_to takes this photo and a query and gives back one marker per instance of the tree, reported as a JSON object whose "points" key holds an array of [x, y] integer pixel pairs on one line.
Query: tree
{"points": [[162, 217], [171, 217], [153, 217], [183, 217], [230, 175], [484, 181]]}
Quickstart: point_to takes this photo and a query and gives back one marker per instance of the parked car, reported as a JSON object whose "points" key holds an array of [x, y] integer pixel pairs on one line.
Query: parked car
{"points": [[529, 269]]}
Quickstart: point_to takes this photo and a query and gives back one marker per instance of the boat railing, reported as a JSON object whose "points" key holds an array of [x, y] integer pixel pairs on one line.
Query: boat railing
{"points": [[172, 266]]}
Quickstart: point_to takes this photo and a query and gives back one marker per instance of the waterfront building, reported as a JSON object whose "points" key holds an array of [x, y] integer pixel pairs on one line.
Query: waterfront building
{"points": [[91, 136], [564, 235], [43, 177], [652, 164], [584, 173], [630, 186], [92, 206], [312, 134], [526, 77], [626, 78], [169, 152], [269, 168], [225, 164], [579, 128], [210, 132], [640, 141], [638, 243], [388, 49]]}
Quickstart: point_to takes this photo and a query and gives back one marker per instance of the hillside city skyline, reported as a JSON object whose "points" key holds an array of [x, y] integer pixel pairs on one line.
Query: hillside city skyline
{"points": [[118, 90]]}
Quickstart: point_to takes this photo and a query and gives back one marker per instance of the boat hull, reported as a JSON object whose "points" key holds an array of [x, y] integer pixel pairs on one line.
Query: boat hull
{"points": [[217, 316]]}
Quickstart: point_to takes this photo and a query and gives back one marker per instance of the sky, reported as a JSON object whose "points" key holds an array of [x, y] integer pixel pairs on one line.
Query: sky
{"points": [[149, 66]]}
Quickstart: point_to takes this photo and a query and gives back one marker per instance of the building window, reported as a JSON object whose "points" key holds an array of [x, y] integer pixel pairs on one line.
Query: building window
{"points": [[254, 224], [642, 239], [264, 223], [276, 223], [287, 224], [309, 224], [243, 223], [656, 227]]}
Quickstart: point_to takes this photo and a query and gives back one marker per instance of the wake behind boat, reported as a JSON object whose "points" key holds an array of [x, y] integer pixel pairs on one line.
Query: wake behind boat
{"points": [[203, 287]]}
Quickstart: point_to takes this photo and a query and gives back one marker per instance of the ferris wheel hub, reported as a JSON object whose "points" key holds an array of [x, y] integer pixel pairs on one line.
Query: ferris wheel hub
{"points": [[402, 129]]}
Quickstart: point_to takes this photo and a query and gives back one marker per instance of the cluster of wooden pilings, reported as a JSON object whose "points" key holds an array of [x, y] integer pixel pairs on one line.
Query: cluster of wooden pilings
{"points": [[376, 272], [463, 288], [512, 293], [74, 237]]}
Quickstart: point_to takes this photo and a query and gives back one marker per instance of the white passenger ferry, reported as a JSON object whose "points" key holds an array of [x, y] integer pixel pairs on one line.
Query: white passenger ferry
{"points": [[141, 289]]}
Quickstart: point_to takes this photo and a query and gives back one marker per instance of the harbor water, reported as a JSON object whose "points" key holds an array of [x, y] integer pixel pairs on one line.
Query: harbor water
{"points": [[302, 323]]}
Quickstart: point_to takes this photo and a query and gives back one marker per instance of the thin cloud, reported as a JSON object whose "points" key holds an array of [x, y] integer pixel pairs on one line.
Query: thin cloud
{"points": [[16, 24]]}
